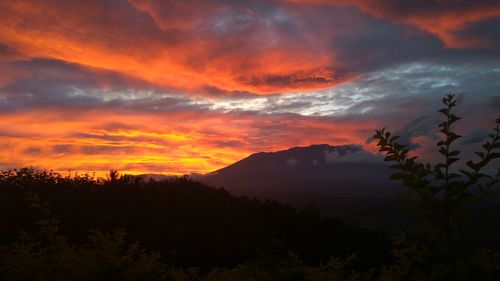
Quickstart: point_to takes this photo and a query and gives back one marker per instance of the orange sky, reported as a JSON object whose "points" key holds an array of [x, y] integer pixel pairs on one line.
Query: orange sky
{"points": [[147, 86], [154, 142]]}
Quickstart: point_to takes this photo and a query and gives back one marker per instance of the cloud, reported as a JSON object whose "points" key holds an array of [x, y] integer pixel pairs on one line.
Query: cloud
{"points": [[292, 162], [188, 141], [178, 54], [450, 21], [475, 136], [191, 86], [260, 47], [355, 154], [7, 53]]}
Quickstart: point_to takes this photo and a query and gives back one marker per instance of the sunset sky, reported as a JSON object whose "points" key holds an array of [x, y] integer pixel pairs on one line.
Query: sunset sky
{"points": [[191, 86]]}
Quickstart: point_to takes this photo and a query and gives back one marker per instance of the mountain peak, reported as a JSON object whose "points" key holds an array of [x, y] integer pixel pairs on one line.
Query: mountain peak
{"points": [[313, 155], [345, 169]]}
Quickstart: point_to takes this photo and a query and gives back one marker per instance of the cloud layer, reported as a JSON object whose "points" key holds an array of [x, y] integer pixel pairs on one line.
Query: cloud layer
{"points": [[191, 86]]}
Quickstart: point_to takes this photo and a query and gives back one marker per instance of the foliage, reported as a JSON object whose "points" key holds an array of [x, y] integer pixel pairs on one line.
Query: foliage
{"points": [[446, 201], [50, 257], [188, 223], [107, 256]]}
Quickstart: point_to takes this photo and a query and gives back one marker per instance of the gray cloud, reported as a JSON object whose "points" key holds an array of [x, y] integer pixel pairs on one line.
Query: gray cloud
{"points": [[353, 155], [476, 135]]}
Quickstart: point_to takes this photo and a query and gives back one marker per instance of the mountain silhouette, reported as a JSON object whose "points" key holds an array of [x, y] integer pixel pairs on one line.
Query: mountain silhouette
{"points": [[347, 171], [343, 180]]}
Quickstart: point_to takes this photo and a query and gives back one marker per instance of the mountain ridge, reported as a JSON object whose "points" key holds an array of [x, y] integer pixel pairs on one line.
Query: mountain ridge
{"points": [[314, 168]]}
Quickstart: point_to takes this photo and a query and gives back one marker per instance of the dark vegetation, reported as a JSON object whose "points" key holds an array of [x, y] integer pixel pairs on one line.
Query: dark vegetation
{"points": [[81, 228], [189, 223], [459, 238]]}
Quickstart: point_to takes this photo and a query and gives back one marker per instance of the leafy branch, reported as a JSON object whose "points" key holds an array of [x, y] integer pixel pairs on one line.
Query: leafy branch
{"points": [[443, 196]]}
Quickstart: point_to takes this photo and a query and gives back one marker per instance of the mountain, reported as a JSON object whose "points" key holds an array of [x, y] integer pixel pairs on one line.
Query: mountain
{"points": [[346, 170], [340, 180], [155, 177]]}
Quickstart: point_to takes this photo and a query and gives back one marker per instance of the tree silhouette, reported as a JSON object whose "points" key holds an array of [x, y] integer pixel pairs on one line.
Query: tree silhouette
{"points": [[446, 200], [113, 176]]}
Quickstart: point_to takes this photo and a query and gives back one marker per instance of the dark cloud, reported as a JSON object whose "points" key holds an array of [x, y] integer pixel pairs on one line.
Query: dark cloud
{"points": [[33, 151], [230, 143], [487, 30], [422, 126], [63, 148], [299, 79], [42, 83], [475, 135], [111, 150], [494, 102], [439, 18], [7, 53], [375, 44]]}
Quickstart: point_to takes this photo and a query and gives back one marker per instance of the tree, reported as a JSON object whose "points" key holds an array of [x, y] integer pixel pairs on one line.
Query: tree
{"points": [[446, 200], [113, 176]]}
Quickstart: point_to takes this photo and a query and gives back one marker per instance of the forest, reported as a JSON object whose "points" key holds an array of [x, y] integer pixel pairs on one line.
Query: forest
{"points": [[79, 227]]}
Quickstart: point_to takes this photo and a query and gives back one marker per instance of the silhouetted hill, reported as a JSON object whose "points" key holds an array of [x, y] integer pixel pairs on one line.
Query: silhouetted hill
{"points": [[340, 180], [189, 223], [341, 170]]}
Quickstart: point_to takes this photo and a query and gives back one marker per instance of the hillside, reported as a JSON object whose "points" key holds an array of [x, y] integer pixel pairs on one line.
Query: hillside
{"points": [[188, 223], [343, 181], [341, 170]]}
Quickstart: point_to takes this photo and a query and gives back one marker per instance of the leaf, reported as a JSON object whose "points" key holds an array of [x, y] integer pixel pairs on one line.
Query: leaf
{"points": [[480, 175], [466, 173], [454, 118], [452, 160], [392, 139], [395, 166], [444, 111], [494, 155], [480, 154], [487, 145], [452, 137], [397, 176], [440, 165], [390, 158], [471, 165], [404, 152]]}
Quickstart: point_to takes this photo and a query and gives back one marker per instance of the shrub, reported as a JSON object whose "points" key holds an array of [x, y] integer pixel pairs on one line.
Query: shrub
{"points": [[446, 201]]}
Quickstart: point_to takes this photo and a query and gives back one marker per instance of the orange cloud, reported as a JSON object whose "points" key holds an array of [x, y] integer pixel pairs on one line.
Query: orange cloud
{"points": [[184, 142], [232, 49]]}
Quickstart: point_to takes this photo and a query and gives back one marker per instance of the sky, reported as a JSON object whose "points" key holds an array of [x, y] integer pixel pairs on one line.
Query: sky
{"points": [[174, 87]]}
